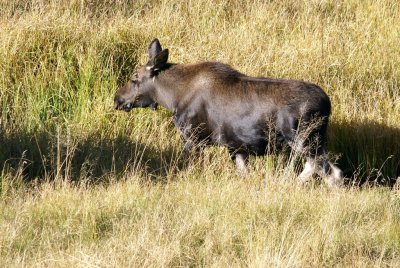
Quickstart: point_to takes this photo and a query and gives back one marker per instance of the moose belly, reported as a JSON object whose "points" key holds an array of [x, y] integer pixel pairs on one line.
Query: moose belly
{"points": [[249, 139]]}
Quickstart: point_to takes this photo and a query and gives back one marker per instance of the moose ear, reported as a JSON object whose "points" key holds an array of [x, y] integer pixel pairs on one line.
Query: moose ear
{"points": [[159, 61], [154, 49]]}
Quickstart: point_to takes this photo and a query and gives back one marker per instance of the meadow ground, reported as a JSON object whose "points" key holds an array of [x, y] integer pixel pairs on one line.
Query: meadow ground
{"points": [[84, 185]]}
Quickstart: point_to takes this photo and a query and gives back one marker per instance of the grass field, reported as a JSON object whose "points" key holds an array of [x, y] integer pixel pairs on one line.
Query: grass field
{"points": [[84, 185]]}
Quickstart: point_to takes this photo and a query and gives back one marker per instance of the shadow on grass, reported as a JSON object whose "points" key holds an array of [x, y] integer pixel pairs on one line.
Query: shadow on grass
{"points": [[369, 152], [95, 158]]}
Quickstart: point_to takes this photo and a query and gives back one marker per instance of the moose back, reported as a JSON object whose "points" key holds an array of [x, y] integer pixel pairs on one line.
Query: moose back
{"points": [[212, 103]]}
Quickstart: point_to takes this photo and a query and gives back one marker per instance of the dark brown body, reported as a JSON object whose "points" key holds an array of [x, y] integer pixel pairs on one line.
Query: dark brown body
{"points": [[215, 104], [218, 105]]}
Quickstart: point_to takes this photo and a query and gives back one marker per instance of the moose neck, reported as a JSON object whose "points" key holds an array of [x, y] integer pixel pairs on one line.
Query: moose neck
{"points": [[168, 87]]}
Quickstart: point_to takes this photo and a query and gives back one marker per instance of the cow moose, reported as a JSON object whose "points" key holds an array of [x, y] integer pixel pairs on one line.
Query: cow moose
{"points": [[212, 103]]}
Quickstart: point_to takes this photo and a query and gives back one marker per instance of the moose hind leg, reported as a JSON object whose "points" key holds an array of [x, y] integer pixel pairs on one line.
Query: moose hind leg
{"points": [[335, 177], [308, 171], [332, 175]]}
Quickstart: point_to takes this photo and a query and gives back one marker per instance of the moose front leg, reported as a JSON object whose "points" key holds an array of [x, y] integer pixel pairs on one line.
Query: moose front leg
{"points": [[188, 137], [241, 160], [190, 147]]}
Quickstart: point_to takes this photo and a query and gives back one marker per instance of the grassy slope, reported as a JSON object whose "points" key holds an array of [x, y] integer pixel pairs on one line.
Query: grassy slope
{"points": [[60, 63]]}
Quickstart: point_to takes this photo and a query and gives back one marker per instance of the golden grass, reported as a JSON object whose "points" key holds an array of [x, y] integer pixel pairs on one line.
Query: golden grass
{"points": [[201, 219]]}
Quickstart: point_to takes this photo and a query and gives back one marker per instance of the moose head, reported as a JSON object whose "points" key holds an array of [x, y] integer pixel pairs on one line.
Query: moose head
{"points": [[139, 91]]}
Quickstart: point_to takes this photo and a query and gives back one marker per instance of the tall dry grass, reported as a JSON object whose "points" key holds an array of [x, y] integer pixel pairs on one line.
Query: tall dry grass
{"points": [[84, 185]]}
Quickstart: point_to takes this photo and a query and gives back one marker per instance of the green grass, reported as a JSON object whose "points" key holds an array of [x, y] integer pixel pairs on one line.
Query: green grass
{"points": [[82, 184]]}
